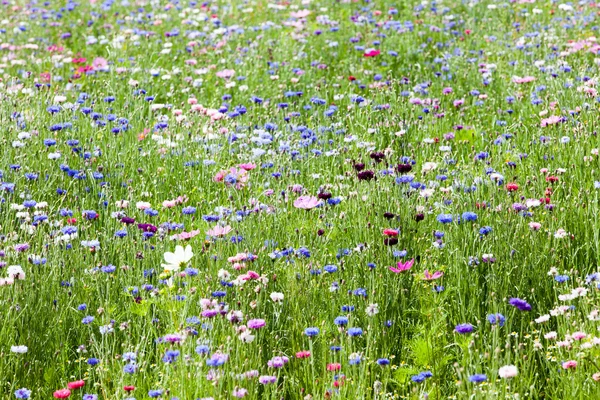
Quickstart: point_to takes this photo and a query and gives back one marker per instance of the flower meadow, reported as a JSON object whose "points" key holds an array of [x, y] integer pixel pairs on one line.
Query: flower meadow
{"points": [[299, 199]]}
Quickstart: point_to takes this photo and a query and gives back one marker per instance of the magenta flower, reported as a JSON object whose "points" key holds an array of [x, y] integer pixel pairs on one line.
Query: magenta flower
{"points": [[403, 266], [430, 277]]}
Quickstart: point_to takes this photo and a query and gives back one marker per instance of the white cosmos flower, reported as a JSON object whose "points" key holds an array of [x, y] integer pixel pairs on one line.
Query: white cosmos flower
{"points": [[174, 261]]}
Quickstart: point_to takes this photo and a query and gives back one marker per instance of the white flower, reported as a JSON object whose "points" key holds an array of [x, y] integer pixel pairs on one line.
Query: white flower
{"points": [[428, 166], [276, 297], [372, 309], [507, 372], [561, 233], [551, 335], [18, 349], [542, 319], [174, 261], [15, 272]]}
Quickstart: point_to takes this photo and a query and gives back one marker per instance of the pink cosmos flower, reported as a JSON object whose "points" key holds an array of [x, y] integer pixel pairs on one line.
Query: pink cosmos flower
{"points": [[186, 235], [300, 14], [553, 120], [372, 53], [306, 202], [247, 166], [403, 266], [430, 277], [219, 231], [99, 63]]}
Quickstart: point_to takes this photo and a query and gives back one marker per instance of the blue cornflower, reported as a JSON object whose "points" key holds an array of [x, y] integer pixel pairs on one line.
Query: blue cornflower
{"points": [[478, 378], [355, 332], [496, 319], [155, 393], [464, 328], [22, 393], [469, 216], [341, 321], [87, 320], [383, 361], [330, 268], [444, 218], [311, 331]]}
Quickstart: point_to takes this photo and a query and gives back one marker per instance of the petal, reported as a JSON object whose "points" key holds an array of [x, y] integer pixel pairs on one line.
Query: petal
{"points": [[170, 258]]}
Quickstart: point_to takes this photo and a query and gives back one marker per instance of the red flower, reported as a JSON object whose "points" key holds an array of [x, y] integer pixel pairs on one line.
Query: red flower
{"points": [[71, 221], [351, 78], [62, 394], [552, 179], [129, 388], [511, 187], [468, 31], [76, 385]]}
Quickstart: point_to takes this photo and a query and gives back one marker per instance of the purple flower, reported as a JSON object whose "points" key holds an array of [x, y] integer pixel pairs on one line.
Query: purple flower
{"points": [[267, 379], [256, 323], [464, 328], [520, 304]]}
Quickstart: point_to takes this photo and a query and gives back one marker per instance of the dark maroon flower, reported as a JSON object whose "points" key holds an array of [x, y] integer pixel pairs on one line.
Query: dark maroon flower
{"points": [[147, 228], [366, 175], [390, 241], [403, 168], [127, 220], [320, 232], [377, 156], [359, 166], [388, 215], [324, 195], [419, 217]]}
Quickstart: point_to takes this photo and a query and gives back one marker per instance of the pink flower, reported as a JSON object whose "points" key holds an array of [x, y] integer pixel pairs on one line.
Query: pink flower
{"points": [[579, 335], [76, 384], [553, 120], [99, 63], [390, 232], [571, 364], [403, 266], [256, 323], [186, 235], [435, 275], [226, 73], [535, 226], [62, 394], [303, 354], [525, 79], [306, 202], [371, 53], [247, 166], [219, 231]]}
